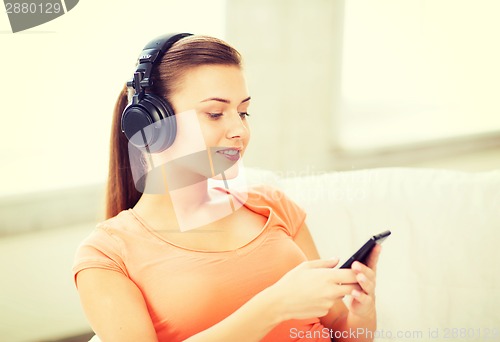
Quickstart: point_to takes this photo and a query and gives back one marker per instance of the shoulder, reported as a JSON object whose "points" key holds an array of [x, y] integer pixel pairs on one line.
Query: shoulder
{"points": [[107, 232], [107, 241], [266, 194], [115, 233], [124, 221], [270, 195], [120, 227], [292, 216]]}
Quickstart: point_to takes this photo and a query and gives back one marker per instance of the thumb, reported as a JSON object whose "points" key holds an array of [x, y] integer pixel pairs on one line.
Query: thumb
{"points": [[373, 257], [323, 263]]}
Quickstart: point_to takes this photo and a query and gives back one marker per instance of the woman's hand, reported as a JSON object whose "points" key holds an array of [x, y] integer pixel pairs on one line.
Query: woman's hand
{"points": [[311, 288], [363, 300]]}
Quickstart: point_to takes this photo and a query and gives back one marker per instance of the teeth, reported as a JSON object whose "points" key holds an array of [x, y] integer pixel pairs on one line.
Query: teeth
{"points": [[230, 152]]}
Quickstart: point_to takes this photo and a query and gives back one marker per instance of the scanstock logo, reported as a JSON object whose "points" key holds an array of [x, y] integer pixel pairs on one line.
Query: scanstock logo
{"points": [[25, 14]]}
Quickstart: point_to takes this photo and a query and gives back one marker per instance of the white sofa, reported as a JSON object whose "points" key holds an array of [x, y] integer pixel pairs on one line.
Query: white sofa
{"points": [[438, 274]]}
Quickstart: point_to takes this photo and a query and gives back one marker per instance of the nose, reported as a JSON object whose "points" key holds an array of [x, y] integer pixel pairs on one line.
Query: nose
{"points": [[236, 127]]}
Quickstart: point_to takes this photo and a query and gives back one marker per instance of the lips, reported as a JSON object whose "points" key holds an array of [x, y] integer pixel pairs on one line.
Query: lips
{"points": [[232, 154]]}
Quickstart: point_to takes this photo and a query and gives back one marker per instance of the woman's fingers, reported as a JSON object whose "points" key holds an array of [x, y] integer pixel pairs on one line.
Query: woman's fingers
{"points": [[348, 289], [366, 282], [321, 263], [366, 274], [372, 260], [344, 276], [361, 297]]}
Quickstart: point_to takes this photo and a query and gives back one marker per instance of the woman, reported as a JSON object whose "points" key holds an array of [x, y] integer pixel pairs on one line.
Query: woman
{"points": [[164, 267]]}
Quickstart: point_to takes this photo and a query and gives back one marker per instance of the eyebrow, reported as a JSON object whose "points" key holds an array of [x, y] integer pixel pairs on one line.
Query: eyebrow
{"points": [[224, 100]]}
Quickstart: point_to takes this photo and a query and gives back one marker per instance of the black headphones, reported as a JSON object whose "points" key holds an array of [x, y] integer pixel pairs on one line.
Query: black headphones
{"points": [[150, 114]]}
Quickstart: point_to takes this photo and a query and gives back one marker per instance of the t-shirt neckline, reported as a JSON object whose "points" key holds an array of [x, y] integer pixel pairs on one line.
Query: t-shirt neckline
{"points": [[255, 208]]}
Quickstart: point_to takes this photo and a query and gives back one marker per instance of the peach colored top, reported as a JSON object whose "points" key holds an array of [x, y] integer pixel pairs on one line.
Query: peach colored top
{"points": [[188, 291]]}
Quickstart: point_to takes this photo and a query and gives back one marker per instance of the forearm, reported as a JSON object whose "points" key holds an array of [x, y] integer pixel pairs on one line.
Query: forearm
{"points": [[249, 323]]}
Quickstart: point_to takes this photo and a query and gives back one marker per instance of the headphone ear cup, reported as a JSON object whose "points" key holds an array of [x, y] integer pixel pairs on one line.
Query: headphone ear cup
{"points": [[150, 124], [167, 129]]}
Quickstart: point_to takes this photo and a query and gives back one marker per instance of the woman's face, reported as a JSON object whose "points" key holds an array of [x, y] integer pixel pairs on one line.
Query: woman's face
{"points": [[219, 97]]}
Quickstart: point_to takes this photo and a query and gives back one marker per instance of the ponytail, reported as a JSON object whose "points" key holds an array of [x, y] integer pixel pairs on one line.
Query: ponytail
{"points": [[121, 193]]}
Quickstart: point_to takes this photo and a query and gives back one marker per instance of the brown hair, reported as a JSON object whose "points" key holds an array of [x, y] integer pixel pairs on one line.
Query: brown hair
{"points": [[186, 54]]}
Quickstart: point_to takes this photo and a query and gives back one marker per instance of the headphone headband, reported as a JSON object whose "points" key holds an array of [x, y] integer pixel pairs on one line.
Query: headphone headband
{"points": [[152, 52]]}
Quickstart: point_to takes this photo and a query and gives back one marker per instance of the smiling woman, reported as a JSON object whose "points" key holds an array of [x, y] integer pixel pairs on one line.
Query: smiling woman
{"points": [[198, 86], [191, 261]]}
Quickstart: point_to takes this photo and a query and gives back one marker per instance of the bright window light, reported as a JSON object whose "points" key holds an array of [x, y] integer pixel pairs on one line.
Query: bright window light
{"points": [[418, 70]]}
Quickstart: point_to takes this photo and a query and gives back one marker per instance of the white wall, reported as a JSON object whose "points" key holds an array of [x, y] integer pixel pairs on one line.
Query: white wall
{"points": [[362, 83], [60, 81], [292, 53]]}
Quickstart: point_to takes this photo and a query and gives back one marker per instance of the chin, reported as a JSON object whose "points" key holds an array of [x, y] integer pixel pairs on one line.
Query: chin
{"points": [[230, 173]]}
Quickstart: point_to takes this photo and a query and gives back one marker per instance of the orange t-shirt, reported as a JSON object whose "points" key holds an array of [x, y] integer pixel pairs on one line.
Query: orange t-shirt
{"points": [[187, 291]]}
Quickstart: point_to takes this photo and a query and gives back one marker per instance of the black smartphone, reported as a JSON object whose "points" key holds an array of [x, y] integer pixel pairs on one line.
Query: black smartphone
{"points": [[362, 254]]}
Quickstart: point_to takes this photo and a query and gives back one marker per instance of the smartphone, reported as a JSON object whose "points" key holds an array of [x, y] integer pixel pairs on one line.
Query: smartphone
{"points": [[362, 254]]}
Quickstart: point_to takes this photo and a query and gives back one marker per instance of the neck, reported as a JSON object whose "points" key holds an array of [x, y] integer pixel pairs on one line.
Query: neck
{"points": [[185, 208]]}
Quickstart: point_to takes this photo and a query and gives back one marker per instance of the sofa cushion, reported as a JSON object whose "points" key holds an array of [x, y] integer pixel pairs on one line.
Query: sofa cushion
{"points": [[439, 268]]}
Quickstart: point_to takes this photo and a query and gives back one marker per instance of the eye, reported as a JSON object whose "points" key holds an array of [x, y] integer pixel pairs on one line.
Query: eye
{"points": [[214, 116], [243, 115]]}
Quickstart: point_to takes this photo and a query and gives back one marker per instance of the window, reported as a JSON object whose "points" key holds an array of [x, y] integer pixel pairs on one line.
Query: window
{"points": [[418, 70]]}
